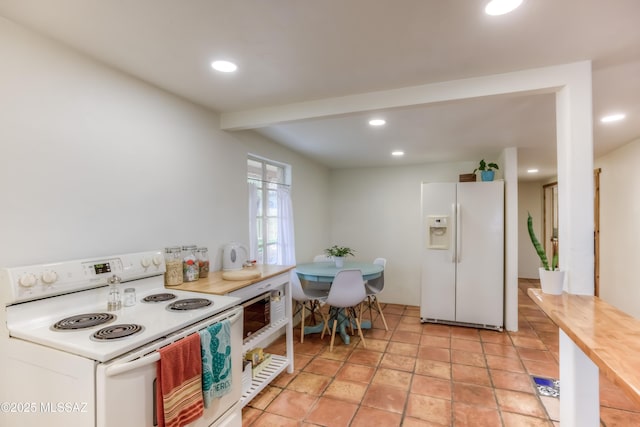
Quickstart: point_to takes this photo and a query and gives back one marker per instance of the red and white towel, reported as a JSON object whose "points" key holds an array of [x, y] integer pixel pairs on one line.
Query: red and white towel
{"points": [[179, 383]]}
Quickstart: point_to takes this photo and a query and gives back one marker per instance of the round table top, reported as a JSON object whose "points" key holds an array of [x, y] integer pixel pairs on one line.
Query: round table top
{"points": [[326, 271]]}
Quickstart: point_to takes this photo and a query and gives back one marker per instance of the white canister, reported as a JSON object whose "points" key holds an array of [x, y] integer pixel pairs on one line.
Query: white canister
{"points": [[173, 262]]}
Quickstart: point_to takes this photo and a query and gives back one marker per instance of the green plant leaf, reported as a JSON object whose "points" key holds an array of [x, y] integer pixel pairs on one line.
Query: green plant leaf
{"points": [[484, 166], [536, 243], [339, 251]]}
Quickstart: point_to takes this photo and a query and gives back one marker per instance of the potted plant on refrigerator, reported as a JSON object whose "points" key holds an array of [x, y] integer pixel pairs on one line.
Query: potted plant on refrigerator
{"points": [[486, 170], [339, 253], [551, 278]]}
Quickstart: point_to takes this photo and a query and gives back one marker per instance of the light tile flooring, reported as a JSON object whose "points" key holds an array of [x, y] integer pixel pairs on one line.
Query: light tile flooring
{"points": [[427, 375]]}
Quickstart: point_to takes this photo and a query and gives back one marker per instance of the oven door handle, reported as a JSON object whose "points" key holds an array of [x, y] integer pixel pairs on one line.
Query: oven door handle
{"points": [[120, 368]]}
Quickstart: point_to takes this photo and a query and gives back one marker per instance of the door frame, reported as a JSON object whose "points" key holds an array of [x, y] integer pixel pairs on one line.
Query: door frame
{"points": [[550, 218], [596, 231]]}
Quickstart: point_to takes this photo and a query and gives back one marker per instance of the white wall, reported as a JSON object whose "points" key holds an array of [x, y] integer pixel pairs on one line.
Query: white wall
{"points": [[529, 200], [620, 228], [376, 211], [94, 162]]}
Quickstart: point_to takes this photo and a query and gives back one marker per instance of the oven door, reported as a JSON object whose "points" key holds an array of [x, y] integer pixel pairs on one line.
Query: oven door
{"points": [[125, 387]]}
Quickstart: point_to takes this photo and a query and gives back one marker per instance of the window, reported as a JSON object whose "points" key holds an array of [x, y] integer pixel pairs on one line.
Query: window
{"points": [[270, 180]]}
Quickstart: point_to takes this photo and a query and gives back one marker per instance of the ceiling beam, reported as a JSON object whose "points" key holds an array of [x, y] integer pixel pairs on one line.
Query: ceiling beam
{"points": [[537, 80]]}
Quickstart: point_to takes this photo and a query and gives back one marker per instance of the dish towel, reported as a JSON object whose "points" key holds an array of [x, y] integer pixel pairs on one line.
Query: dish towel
{"points": [[215, 344], [179, 384]]}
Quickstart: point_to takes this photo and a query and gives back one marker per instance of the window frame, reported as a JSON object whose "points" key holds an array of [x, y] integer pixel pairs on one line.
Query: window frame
{"points": [[266, 226]]}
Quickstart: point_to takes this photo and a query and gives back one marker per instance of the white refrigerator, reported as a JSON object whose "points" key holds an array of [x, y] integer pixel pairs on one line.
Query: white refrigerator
{"points": [[463, 254]]}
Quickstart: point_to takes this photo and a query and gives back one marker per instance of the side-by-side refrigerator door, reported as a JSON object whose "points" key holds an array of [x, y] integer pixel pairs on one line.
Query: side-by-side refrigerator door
{"points": [[480, 269], [438, 269]]}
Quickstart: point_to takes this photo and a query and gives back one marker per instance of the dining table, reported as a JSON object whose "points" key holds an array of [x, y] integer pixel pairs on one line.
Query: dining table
{"points": [[324, 273]]}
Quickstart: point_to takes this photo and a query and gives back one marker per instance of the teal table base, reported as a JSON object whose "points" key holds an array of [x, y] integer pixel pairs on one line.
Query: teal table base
{"points": [[342, 329]]}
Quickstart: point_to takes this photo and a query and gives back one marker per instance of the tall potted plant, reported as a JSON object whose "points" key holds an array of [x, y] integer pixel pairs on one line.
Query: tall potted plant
{"points": [[551, 278], [339, 253]]}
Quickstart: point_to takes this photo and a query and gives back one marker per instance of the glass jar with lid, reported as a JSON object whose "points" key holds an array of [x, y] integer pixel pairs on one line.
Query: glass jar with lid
{"points": [[173, 263], [190, 271], [203, 262]]}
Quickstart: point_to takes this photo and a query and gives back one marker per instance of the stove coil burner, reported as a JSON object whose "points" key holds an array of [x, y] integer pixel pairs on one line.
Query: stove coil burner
{"points": [[83, 321], [189, 304], [116, 332], [159, 297]]}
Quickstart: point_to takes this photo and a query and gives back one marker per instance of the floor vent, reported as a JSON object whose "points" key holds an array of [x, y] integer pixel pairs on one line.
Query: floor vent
{"points": [[547, 386]]}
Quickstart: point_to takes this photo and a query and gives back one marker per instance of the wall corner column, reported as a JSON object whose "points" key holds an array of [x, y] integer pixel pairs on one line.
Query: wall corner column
{"points": [[510, 173], [579, 402], [575, 179]]}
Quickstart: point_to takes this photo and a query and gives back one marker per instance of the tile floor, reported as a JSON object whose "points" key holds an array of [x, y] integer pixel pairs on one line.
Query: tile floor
{"points": [[427, 375]]}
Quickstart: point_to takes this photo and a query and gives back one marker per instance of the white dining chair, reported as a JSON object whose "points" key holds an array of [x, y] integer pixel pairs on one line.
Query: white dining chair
{"points": [[305, 300], [346, 294], [374, 287]]}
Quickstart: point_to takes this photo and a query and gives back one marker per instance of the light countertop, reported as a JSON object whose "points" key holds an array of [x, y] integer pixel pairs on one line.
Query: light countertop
{"points": [[216, 285], [608, 336]]}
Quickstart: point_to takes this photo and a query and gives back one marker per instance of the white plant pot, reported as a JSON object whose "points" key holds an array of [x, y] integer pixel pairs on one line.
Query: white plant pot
{"points": [[339, 260], [552, 282]]}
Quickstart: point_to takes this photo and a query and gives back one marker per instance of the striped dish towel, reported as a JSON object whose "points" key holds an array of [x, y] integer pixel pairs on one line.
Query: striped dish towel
{"points": [[179, 384], [215, 343]]}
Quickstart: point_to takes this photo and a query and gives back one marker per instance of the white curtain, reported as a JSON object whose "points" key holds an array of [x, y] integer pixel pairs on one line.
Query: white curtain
{"points": [[254, 201], [286, 243]]}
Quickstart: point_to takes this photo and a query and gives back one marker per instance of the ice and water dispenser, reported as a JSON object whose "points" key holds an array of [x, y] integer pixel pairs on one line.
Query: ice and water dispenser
{"points": [[438, 232]]}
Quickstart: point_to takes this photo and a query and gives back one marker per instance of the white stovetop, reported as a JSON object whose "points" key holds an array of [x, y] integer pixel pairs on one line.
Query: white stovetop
{"points": [[32, 321]]}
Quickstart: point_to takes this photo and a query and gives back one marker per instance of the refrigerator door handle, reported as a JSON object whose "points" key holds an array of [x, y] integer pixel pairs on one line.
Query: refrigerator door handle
{"points": [[458, 232], [452, 229]]}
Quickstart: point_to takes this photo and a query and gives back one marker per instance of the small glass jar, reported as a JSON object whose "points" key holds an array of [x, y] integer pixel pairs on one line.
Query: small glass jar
{"points": [[173, 263], [203, 262], [115, 300], [129, 297], [190, 271]]}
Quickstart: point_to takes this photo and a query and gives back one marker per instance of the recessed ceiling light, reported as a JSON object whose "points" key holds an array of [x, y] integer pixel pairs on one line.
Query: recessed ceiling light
{"points": [[377, 122], [397, 153], [500, 7], [532, 170], [613, 118], [224, 66]]}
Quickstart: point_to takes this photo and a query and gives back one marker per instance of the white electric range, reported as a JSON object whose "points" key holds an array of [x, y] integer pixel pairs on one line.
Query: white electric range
{"points": [[68, 358]]}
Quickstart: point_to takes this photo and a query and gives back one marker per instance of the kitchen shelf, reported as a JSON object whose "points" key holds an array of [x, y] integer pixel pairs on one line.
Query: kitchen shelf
{"points": [[280, 289], [256, 339], [277, 365]]}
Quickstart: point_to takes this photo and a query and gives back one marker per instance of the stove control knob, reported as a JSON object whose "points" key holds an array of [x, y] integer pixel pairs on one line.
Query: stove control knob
{"points": [[145, 262], [157, 260], [49, 277], [28, 280]]}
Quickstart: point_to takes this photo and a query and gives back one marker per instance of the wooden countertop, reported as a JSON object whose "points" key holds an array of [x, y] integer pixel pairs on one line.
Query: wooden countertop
{"points": [[608, 336], [215, 284]]}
